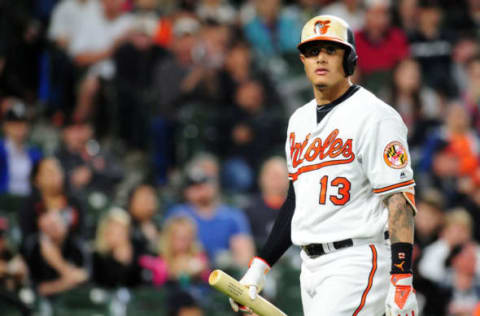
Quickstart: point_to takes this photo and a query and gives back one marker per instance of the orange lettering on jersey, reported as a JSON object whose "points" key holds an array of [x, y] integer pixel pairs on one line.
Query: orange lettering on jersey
{"points": [[332, 147], [296, 149], [336, 148], [330, 139], [313, 149]]}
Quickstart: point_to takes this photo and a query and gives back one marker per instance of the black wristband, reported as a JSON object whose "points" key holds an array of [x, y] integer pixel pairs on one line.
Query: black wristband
{"points": [[401, 257]]}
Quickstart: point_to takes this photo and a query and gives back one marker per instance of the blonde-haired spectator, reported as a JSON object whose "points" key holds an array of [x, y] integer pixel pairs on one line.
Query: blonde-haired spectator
{"points": [[181, 256], [456, 232], [114, 258]]}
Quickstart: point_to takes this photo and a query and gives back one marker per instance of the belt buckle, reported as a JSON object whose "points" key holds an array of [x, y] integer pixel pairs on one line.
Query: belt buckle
{"points": [[328, 247]]}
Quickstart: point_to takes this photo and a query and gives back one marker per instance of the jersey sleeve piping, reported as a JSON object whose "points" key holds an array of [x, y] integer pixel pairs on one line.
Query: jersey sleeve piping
{"points": [[394, 186]]}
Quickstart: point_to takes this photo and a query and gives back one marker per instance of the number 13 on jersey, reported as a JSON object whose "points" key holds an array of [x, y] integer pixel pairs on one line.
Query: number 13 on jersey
{"points": [[342, 187]]}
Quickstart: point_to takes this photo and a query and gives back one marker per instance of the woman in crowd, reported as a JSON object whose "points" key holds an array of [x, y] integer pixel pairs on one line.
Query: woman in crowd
{"points": [[142, 207], [181, 258], [114, 258], [418, 105], [50, 195]]}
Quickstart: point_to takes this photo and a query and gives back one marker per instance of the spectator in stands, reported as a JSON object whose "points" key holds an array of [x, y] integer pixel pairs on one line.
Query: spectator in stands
{"points": [[176, 78], [380, 46], [222, 229], [419, 106], [65, 25], [142, 207], [457, 232], [264, 207], [13, 271], [50, 195], [465, 289], [217, 10], [251, 129], [67, 18], [302, 10], [179, 74], [183, 304], [115, 259], [56, 259], [464, 51], [240, 67], [16, 156], [87, 166], [20, 51], [209, 56], [451, 152], [432, 47], [181, 259], [474, 14], [438, 278], [135, 61], [92, 48], [471, 95], [429, 223], [407, 15], [349, 10], [271, 32]]}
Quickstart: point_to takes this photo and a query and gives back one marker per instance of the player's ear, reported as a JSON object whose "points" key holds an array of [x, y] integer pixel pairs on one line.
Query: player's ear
{"points": [[302, 58]]}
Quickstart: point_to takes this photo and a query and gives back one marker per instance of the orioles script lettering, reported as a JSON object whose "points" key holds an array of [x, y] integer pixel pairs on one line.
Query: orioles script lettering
{"points": [[331, 147]]}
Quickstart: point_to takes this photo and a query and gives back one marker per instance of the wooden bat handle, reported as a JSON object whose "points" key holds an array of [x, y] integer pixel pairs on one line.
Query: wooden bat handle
{"points": [[239, 293]]}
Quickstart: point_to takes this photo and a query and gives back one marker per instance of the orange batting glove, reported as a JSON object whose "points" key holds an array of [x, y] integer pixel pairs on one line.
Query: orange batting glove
{"points": [[401, 299]]}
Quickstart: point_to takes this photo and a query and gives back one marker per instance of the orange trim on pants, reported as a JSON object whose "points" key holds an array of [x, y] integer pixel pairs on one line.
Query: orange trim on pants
{"points": [[370, 280]]}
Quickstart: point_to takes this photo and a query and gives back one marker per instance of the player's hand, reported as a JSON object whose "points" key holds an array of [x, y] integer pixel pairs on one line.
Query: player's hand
{"points": [[401, 299], [254, 279]]}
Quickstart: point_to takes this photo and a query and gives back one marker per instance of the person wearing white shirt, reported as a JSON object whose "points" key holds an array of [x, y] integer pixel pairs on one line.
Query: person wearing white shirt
{"points": [[93, 45], [349, 10], [67, 18]]}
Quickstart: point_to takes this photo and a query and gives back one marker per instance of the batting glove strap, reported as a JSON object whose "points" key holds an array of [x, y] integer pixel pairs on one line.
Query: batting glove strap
{"points": [[401, 299], [255, 274]]}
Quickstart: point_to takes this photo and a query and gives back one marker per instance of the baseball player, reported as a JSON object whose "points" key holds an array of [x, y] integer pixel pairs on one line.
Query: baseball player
{"points": [[351, 186]]}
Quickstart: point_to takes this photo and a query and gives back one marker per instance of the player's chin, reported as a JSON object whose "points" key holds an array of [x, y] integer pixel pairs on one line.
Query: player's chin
{"points": [[321, 83]]}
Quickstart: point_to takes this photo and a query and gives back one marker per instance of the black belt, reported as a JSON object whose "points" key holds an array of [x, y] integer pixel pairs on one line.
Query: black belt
{"points": [[315, 250]]}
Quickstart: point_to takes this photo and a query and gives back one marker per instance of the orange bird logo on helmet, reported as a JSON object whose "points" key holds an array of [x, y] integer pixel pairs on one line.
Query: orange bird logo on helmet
{"points": [[321, 27]]}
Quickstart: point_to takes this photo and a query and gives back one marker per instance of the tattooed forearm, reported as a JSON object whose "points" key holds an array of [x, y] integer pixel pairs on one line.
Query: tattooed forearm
{"points": [[400, 219]]}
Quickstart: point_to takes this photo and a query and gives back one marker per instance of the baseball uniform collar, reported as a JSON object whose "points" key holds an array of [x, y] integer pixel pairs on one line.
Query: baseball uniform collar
{"points": [[323, 110]]}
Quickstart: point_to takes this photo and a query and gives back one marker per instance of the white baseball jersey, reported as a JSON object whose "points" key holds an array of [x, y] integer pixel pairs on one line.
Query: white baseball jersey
{"points": [[343, 166]]}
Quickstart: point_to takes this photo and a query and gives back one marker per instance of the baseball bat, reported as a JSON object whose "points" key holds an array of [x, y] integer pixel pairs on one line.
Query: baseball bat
{"points": [[239, 293]]}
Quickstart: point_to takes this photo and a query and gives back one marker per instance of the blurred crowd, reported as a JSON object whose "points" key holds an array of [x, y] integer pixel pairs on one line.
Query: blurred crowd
{"points": [[142, 140]]}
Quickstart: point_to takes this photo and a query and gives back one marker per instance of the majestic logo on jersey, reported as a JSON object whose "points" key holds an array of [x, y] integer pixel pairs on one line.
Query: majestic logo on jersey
{"points": [[395, 155], [321, 27], [333, 147]]}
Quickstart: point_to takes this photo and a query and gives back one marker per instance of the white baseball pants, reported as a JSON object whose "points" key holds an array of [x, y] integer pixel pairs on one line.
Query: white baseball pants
{"points": [[350, 281]]}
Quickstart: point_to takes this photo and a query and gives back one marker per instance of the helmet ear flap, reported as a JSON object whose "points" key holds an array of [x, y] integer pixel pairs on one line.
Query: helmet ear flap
{"points": [[349, 62], [350, 58]]}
